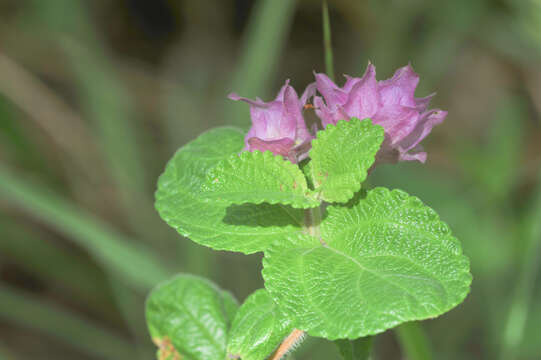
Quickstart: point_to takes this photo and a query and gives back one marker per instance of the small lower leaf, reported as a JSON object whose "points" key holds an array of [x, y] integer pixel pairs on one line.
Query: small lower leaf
{"points": [[258, 328], [190, 317], [382, 261]]}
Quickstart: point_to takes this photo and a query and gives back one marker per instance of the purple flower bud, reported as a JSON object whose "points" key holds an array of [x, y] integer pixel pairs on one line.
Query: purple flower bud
{"points": [[390, 103], [278, 125]]}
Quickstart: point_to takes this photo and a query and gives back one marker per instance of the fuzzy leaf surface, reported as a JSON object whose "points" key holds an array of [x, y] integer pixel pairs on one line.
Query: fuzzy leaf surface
{"points": [[190, 316], [382, 260], [247, 228], [258, 328], [257, 177], [341, 156]]}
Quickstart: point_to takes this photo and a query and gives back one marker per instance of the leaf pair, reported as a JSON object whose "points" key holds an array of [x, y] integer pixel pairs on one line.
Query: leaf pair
{"points": [[192, 319], [228, 201], [339, 160]]}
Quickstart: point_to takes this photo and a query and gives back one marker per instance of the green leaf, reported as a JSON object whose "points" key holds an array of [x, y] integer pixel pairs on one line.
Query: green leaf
{"points": [[341, 156], [247, 228], [190, 316], [381, 261], [258, 328], [256, 177], [358, 349]]}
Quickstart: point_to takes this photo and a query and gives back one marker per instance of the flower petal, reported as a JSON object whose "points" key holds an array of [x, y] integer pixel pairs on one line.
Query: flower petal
{"points": [[428, 120], [323, 112], [422, 103], [397, 120], [277, 147], [293, 107], [258, 102], [332, 94], [280, 95], [399, 89], [418, 156], [364, 99], [308, 93]]}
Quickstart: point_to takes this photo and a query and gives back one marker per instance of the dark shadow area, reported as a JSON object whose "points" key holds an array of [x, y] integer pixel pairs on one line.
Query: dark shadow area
{"points": [[263, 215]]}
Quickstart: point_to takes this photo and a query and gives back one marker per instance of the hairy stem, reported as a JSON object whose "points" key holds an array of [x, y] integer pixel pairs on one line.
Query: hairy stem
{"points": [[327, 44], [289, 343]]}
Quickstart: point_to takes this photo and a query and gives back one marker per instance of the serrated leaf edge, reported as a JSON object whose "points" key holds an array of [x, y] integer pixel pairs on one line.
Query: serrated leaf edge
{"points": [[306, 201], [450, 304], [323, 135], [170, 219], [171, 280]]}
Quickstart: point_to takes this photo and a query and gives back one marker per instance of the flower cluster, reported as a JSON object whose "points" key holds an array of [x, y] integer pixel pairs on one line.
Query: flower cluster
{"points": [[279, 125]]}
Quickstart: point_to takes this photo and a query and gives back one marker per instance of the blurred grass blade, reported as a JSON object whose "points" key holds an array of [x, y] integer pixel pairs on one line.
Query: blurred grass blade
{"points": [[104, 97], [84, 281], [264, 39], [522, 297], [50, 113], [136, 266], [132, 306], [111, 109], [21, 309], [6, 354], [327, 41], [107, 103], [499, 153], [413, 341]]}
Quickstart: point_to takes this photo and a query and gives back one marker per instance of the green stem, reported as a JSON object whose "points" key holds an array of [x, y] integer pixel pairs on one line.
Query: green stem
{"points": [[313, 219], [413, 341], [358, 349], [327, 44], [313, 215]]}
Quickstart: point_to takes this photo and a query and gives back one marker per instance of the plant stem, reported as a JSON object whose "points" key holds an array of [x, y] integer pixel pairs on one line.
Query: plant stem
{"points": [[358, 349], [289, 343], [313, 219], [413, 341], [327, 44]]}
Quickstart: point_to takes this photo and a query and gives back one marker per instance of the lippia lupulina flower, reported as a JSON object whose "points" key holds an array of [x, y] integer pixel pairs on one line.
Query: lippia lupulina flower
{"points": [[390, 103], [278, 125]]}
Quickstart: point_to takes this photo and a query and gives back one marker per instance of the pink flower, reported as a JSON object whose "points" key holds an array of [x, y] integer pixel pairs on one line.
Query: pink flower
{"points": [[278, 125], [390, 103]]}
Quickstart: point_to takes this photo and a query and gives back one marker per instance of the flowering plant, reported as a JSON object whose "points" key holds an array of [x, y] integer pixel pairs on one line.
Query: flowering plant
{"points": [[341, 261], [390, 103]]}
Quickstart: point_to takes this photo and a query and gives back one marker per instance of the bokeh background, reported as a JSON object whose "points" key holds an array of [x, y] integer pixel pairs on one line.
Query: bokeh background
{"points": [[96, 95]]}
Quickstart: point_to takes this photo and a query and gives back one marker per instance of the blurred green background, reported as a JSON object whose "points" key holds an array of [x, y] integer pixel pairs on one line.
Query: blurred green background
{"points": [[96, 95]]}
